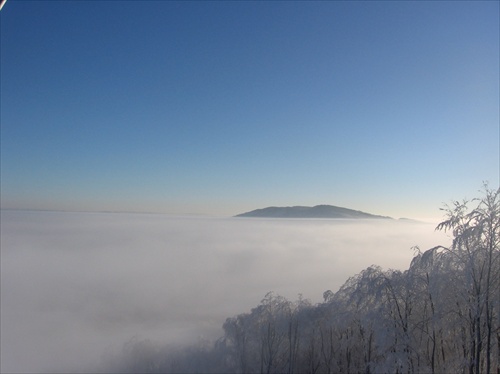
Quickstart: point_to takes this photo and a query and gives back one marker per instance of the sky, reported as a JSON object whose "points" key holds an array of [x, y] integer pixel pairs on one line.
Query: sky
{"points": [[223, 107]]}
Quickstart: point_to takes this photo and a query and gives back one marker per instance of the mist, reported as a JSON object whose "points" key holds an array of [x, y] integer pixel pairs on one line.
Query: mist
{"points": [[75, 287]]}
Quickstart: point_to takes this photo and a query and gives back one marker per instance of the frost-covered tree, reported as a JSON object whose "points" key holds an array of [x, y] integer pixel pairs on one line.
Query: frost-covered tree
{"points": [[476, 245]]}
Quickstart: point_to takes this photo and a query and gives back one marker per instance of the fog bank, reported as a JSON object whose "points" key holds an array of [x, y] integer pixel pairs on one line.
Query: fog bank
{"points": [[77, 286]]}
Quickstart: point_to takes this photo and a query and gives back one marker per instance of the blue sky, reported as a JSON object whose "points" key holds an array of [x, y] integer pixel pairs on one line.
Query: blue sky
{"points": [[223, 107]]}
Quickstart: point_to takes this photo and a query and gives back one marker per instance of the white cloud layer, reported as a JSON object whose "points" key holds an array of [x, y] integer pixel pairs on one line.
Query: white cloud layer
{"points": [[76, 286]]}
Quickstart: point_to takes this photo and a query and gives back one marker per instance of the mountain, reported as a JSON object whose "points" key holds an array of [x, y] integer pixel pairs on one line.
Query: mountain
{"points": [[318, 211]]}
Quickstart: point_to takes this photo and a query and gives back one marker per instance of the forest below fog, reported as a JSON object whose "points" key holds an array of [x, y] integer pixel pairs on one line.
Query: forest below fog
{"points": [[441, 315]]}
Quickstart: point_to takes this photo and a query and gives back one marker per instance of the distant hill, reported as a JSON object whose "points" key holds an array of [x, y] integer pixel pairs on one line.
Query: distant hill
{"points": [[318, 211]]}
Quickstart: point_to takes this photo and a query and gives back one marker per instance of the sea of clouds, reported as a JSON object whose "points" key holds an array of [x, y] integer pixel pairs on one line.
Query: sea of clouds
{"points": [[75, 287]]}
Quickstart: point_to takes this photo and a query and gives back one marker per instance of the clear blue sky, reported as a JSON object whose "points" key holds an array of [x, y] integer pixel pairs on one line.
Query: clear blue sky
{"points": [[222, 107]]}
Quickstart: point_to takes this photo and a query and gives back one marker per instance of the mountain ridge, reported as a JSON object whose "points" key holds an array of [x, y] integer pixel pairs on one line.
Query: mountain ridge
{"points": [[317, 211]]}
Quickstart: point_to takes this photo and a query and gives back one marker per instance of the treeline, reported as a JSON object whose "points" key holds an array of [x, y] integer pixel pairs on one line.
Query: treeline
{"points": [[442, 315]]}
